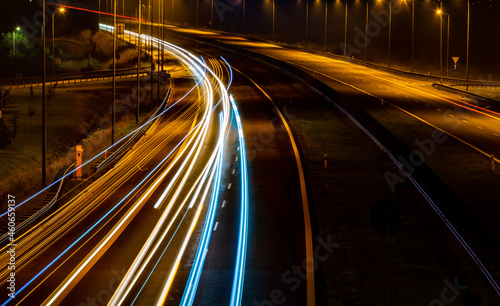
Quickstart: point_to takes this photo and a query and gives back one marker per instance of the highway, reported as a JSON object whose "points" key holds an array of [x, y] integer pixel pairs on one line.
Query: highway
{"points": [[213, 205], [433, 124], [139, 217]]}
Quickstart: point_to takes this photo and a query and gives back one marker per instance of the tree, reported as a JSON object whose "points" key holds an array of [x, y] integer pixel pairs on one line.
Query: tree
{"points": [[23, 46]]}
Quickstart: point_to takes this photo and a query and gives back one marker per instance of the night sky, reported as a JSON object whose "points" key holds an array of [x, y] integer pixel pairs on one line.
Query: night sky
{"points": [[290, 27]]}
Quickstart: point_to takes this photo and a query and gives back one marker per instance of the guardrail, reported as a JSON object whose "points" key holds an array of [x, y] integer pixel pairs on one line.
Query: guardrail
{"points": [[75, 77], [134, 137], [462, 93], [44, 206]]}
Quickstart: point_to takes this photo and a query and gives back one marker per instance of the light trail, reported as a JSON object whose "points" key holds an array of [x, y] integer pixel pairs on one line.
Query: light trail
{"points": [[204, 122], [199, 260], [204, 182], [239, 272]]}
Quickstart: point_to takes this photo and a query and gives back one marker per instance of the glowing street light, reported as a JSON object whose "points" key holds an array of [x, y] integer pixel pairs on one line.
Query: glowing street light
{"points": [[441, 43], [61, 10], [18, 29]]}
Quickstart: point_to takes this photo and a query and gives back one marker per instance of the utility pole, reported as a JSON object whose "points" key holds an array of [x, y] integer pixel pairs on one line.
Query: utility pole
{"points": [[44, 123], [412, 34], [345, 31], [326, 21], [441, 45], [139, 53], [114, 76], [390, 30], [467, 60]]}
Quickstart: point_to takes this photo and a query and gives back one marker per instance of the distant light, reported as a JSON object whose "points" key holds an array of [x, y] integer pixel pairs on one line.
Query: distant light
{"points": [[18, 28], [439, 11], [61, 9]]}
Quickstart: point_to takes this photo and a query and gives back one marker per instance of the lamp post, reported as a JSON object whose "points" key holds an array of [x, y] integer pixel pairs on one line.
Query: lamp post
{"points": [[273, 18], [212, 15], [467, 60], [197, 9], [14, 39], [366, 32], [114, 76], [54, 42], [326, 21], [345, 31], [448, 46], [307, 24], [173, 3], [390, 30], [244, 7], [44, 123], [139, 53], [412, 34], [441, 43]]}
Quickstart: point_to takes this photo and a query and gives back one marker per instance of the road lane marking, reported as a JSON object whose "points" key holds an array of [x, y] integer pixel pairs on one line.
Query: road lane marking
{"points": [[438, 110], [311, 297], [465, 121], [479, 127], [223, 203], [215, 227], [451, 115], [229, 186], [496, 134], [234, 171]]}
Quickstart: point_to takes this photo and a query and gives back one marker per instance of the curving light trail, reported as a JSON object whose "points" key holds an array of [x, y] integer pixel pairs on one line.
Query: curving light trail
{"points": [[239, 271]]}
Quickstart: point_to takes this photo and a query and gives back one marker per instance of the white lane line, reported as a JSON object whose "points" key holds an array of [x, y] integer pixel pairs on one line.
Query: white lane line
{"points": [[438, 110], [229, 186], [234, 170], [236, 158], [451, 115], [407, 97], [463, 120], [427, 105], [479, 127], [496, 134], [223, 203], [215, 227], [238, 149]]}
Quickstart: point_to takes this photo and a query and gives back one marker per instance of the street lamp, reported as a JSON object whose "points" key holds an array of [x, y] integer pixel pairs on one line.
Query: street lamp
{"points": [[345, 31], [44, 122], [467, 60], [366, 31], [307, 24], [274, 11], [14, 39], [54, 42], [390, 30], [326, 21], [441, 43], [139, 53]]}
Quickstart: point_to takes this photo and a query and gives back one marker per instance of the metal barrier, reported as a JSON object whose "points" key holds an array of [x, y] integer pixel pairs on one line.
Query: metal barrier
{"points": [[44, 206], [67, 78]]}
